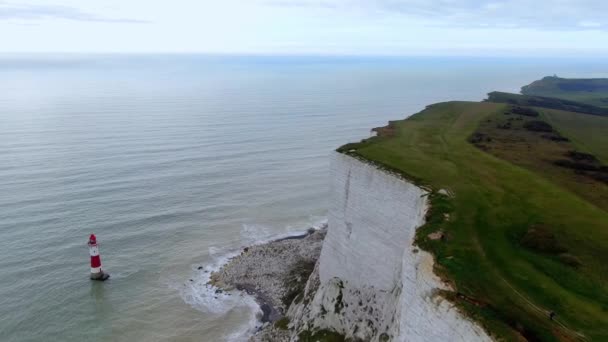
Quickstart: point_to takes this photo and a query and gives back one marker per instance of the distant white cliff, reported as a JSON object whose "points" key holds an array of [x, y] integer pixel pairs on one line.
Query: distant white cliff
{"points": [[371, 283]]}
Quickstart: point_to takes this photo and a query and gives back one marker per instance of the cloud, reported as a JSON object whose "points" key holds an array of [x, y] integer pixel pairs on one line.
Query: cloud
{"points": [[524, 14], [592, 24], [39, 12], [305, 3]]}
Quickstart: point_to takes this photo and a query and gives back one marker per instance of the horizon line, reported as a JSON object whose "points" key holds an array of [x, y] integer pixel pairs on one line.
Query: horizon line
{"points": [[574, 54]]}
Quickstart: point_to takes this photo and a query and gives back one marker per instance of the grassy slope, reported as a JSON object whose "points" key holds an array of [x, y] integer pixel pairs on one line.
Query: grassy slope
{"points": [[510, 289], [587, 132], [591, 91], [530, 150]]}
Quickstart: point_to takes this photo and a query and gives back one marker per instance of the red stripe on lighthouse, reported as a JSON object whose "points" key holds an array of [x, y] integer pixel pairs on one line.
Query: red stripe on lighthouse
{"points": [[95, 261]]}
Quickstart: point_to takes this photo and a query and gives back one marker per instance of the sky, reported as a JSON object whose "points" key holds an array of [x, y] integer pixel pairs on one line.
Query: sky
{"points": [[326, 27]]}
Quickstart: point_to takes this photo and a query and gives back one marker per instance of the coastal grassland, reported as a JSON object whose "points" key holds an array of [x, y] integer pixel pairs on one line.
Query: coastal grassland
{"points": [[590, 91], [501, 279], [586, 132], [540, 143]]}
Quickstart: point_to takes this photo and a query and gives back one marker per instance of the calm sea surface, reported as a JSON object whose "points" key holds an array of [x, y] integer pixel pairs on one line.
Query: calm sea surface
{"points": [[176, 162]]}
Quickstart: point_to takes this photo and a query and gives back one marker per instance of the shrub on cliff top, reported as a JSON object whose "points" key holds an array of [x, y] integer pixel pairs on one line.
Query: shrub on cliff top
{"points": [[282, 324], [581, 156], [320, 336], [538, 126], [524, 111], [541, 239]]}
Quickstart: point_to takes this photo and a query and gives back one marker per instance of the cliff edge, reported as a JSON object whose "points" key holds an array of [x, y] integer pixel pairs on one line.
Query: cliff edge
{"points": [[371, 283]]}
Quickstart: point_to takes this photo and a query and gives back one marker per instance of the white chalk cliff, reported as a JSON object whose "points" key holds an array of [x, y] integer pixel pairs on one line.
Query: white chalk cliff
{"points": [[371, 283]]}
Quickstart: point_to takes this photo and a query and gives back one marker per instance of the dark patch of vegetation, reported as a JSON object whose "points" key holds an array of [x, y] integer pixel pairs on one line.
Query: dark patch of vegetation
{"points": [[295, 282], [582, 156], [463, 297], [581, 161], [601, 177], [435, 220], [528, 334], [555, 137], [570, 260], [321, 336], [525, 111], [384, 337], [577, 166], [282, 324], [510, 325], [540, 238], [506, 125], [546, 102], [339, 305], [538, 126], [478, 138], [585, 164]]}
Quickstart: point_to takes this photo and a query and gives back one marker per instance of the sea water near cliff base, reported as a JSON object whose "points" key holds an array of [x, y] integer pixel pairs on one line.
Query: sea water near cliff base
{"points": [[177, 162]]}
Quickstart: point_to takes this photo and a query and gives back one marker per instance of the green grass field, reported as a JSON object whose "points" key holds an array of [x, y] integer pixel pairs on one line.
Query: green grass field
{"points": [[504, 194], [588, 132]]}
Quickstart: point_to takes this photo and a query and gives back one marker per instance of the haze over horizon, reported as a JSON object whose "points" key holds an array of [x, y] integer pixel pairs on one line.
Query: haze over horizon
{"points": [[335, 27]]}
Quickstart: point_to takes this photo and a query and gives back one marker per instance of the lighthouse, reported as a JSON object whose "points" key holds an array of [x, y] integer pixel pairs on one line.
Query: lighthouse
{"points": [[96, 272]]}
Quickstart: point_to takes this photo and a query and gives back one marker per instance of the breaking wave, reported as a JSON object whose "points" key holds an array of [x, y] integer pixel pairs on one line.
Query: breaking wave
{"points": [[198, 293]]}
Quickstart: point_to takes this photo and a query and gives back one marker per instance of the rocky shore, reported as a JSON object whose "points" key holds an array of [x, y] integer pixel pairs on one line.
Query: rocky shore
{"points": [[362, 280], [274, 273]]}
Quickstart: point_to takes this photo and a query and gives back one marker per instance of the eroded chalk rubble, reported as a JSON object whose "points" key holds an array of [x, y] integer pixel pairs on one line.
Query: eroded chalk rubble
{"points": [[370, 283], [274, 272]]}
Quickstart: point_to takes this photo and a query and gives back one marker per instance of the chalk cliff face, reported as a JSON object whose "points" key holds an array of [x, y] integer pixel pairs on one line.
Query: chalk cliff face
{"points": [[371, 283]]}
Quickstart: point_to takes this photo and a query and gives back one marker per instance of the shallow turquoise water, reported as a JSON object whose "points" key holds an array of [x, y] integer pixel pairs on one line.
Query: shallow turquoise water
{"points": [[177, 161]]}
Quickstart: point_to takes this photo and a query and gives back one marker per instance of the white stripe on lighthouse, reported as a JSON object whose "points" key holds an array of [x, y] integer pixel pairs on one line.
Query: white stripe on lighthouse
{"points": [[95, 269], [93, 251]]}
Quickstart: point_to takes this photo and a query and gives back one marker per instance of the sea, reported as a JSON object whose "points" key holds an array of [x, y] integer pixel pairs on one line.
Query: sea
{"points": [[177, 162]]}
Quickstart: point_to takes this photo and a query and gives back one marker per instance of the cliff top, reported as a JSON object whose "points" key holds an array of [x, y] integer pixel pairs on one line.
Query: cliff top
{"points": [[525, 237]]}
